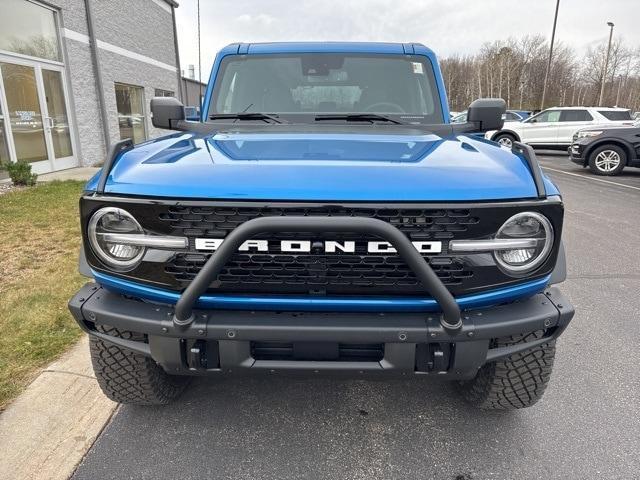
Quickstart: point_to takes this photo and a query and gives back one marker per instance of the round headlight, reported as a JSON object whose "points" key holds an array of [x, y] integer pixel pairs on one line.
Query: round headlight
{"points": [[525, 225], [103, 227]]}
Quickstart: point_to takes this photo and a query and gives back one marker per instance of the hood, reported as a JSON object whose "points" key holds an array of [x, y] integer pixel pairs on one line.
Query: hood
{"points": [[338, 166]]}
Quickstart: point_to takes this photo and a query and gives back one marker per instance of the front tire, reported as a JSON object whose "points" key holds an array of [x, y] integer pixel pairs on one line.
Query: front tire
{"points": [[518, 381], [607, 160], [505, 139], [128, 377]]}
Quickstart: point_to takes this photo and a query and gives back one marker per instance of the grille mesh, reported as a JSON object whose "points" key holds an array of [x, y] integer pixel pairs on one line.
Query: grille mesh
{"points": [[418, 224]]}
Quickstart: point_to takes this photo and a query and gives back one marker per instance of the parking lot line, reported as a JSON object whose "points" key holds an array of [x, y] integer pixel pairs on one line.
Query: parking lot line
{"points": [[591, 178]]}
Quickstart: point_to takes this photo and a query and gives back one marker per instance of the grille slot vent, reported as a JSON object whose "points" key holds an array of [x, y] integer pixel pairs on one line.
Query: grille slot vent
{"points": [[342, 352]]}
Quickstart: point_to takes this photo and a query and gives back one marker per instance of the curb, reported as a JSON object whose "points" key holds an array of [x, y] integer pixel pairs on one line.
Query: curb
{"points": [[75, 173], [48, 429]]}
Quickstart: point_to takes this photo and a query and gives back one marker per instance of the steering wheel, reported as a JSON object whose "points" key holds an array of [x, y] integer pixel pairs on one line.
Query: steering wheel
{"points": [[395, 108]]}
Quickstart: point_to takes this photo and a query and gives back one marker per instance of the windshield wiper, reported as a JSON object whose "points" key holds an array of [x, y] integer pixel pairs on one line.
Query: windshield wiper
{"points": [[246, 116], [359, 117]]}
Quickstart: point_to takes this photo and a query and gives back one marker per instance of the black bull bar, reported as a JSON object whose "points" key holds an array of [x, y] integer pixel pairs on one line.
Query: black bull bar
{"points": [[450, 318]]}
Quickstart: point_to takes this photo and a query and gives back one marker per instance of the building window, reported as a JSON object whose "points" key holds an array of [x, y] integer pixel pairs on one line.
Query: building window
{"points": [[164, 93], [29, 29], [130, 104]]}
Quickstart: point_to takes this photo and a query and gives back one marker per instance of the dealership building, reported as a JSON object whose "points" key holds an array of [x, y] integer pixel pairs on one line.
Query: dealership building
{"points": [[77, 75]]}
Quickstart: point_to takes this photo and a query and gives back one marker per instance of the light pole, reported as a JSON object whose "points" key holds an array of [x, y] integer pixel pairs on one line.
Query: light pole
{"points": [[546, 75], [606, 64]]}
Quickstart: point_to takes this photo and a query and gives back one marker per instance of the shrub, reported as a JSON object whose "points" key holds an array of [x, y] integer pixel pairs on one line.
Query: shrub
{"points": [[20, 173]]}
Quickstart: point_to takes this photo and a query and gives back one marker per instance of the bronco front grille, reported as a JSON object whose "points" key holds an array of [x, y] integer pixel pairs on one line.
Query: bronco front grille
{"points": [[317, 272]]}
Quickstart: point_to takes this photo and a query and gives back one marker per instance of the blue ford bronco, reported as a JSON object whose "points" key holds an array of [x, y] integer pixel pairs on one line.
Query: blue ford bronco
{"points": [[323, 216]]}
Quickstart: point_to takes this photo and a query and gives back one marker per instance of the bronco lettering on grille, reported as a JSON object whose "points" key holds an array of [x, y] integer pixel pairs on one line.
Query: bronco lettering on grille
{"points": [[306, 246]]}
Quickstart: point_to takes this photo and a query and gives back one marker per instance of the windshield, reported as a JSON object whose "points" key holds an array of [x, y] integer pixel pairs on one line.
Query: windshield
{"points": [[298, 87]]}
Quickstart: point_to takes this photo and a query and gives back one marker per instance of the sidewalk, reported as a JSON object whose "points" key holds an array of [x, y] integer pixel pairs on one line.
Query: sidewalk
{"points": [[78, 173], [46, 431]]}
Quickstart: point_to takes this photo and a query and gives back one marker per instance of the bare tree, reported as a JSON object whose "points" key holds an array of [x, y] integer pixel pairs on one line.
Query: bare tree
{"points": [[513, 69]]}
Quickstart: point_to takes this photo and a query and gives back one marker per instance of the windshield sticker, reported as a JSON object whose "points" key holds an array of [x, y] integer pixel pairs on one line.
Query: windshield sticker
{"points": [[417, 68]]}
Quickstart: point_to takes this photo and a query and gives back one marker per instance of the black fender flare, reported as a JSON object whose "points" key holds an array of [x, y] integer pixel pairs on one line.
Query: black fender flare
{"points": [[559, 273], [83, 265]]}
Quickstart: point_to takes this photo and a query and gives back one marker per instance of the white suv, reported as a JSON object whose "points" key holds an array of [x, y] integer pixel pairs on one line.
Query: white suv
{"points": [[555, 127]]}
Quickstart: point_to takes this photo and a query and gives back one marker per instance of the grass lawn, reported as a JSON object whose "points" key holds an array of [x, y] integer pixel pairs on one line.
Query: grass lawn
{"points": [[39, 242]]}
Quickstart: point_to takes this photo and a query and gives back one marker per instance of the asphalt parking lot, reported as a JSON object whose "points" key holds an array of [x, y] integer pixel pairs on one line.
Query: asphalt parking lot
{"points": [[586, 427], [558, 165]]}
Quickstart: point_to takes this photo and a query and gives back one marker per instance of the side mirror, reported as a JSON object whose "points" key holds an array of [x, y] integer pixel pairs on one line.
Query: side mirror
{"points": [[166, 112], [487, 113]]}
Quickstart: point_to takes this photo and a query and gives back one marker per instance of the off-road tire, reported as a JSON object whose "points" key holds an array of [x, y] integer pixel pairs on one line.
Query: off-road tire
{"points": [[504, 139], [604, 150], [128, 377], [519, 381]]}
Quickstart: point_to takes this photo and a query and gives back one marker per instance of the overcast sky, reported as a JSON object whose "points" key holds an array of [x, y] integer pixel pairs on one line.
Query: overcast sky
{"points": [[446, 26]]}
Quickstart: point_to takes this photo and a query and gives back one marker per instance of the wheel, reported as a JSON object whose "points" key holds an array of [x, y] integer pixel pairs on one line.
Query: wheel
{"points": [[519, 381], [505, 139], [128, 377], [607, 160]]}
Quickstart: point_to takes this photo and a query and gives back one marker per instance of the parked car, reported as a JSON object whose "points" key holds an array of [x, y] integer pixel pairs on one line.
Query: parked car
{"points": [[517, 115], [555, 127], [606, 150], [460, 118], [273, 236], [508, 116]]}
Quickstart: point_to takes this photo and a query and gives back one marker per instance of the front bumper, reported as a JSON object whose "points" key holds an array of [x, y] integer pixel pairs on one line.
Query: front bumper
{"points": [[231, 341], [576, 153]]}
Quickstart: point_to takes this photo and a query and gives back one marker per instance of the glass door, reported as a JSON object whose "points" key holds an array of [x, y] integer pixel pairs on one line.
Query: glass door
{"points": [[57, 123], [24, 114], [35, 123]]}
